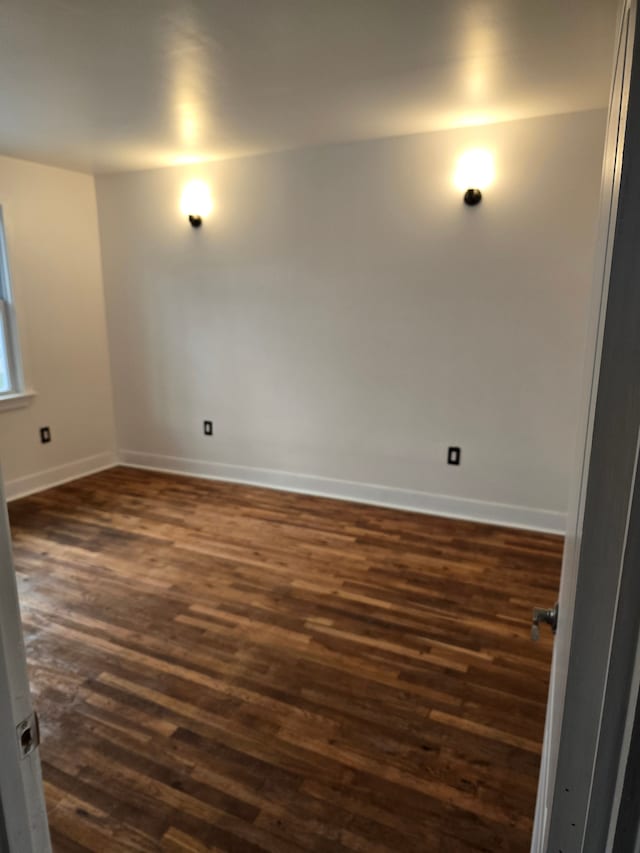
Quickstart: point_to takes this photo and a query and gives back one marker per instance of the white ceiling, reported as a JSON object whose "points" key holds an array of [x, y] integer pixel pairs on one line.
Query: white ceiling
{"points": [[110, 85]]}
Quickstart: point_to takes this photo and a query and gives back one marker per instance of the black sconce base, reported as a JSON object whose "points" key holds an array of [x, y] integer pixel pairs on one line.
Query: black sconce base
{"points": [[196, 221], [472, 197]]}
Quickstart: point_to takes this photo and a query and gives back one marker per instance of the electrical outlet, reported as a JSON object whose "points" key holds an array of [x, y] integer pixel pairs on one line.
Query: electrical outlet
{"points": [[453, 456], [208, 427], [45, 435]]}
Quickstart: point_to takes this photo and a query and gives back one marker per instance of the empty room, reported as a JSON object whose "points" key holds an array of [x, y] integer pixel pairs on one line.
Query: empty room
{"points": [[319, 405]]}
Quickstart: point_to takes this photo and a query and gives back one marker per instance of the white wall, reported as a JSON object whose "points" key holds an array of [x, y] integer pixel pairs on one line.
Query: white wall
{"points": [[344, 316], [54, 257]]}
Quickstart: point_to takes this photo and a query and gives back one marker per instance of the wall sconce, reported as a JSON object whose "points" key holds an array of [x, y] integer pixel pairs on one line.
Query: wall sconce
{"points": [[472, 197], [474, 173], [196, 202]]}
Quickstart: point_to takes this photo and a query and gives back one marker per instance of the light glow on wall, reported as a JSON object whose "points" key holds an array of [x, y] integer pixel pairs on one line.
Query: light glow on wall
{"points": [[196, 199], [474, 170]]}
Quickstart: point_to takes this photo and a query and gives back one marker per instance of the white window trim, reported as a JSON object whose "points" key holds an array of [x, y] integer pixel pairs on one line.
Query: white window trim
{"points": [[16, 400], [19, 395]]}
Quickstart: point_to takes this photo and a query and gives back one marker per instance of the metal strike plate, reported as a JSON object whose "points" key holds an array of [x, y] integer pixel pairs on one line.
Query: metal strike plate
{"points": [[28, 733]]}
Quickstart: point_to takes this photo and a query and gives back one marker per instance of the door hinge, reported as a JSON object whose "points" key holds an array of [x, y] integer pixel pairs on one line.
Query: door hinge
{"points": [[28, 732]]}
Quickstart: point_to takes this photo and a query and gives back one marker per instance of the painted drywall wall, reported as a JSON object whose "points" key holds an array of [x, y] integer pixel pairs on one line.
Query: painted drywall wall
{"points": [[53, 248], [343, 318]]}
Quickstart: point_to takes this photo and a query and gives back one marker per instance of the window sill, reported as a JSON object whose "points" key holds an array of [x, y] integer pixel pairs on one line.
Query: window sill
{"points": [[16, 401]]}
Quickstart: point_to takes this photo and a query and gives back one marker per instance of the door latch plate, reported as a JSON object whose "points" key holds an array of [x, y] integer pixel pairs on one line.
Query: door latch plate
{"points": [[28, 734]]}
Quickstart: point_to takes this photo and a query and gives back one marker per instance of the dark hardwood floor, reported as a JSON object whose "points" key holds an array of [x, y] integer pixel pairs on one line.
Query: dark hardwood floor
{"points": [[220, 667]]}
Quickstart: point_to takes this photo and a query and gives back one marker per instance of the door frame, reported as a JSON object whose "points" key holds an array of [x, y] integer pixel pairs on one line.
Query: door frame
{"points": [[23, 817], [592, 698]]}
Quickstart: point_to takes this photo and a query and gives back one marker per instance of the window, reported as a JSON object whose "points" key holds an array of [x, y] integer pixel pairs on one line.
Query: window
{"points": [[10, 368]]}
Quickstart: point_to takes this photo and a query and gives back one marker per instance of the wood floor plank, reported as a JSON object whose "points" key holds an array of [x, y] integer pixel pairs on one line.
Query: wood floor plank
{"points": [[222, 667]]}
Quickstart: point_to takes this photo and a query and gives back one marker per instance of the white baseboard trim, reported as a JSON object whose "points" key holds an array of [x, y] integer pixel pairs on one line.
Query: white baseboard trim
{"points": [[23, 486], [505, 515]]}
